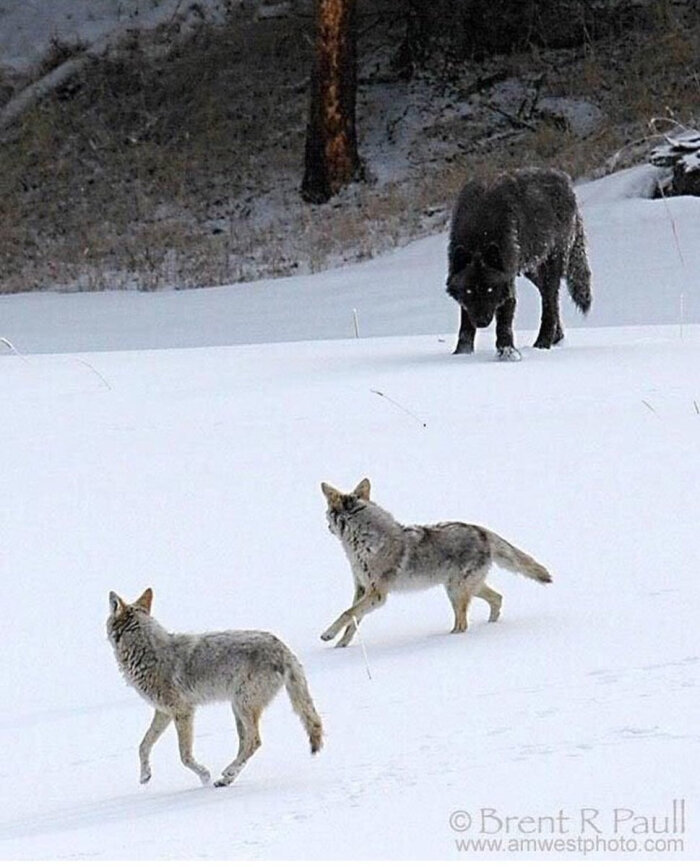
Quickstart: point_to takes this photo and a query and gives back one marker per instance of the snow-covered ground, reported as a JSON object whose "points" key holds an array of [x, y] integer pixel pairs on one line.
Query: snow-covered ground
{"points": [[196, 471], [633, 242], [28, 27]]}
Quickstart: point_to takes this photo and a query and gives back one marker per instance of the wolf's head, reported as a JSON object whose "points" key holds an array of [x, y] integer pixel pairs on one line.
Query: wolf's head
{"points": [[341, 506], [127, 618], [478, 281]]}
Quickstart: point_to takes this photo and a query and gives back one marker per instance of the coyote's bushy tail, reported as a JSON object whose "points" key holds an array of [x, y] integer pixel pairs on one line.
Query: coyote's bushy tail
{"points": [[578, 273], [300, 697], [515, 560]]}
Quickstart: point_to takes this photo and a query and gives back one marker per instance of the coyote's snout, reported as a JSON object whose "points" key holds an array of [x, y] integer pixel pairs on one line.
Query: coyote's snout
{"points": [[176, 672], [385, 555]]}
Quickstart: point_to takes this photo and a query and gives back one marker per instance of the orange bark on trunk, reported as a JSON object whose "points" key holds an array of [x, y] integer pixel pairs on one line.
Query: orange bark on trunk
{"points": [[331, 158]]}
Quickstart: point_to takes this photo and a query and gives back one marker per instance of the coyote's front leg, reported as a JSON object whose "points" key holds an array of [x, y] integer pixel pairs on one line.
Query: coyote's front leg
{"points": [[351, 628], [184, 724], [373, 598], [159, 724]]}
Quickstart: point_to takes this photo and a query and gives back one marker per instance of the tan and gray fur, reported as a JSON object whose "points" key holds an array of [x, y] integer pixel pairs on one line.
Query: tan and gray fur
{"points": [[385, 556], [175, 672]]}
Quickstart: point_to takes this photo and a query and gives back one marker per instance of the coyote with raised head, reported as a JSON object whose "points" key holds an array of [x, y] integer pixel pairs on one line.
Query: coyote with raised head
{"points": [[386, 556], [176, 672], [523, 222]]}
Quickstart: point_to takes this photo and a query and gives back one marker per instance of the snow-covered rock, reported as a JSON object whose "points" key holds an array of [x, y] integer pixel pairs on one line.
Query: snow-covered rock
{"points": [[681, 154]]}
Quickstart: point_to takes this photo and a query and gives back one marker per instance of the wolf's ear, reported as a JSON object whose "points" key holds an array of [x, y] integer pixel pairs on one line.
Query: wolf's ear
{"points": [[116, 604], [145, 601], [493, 258], [362, 490], [460, 258], [332, 495]]}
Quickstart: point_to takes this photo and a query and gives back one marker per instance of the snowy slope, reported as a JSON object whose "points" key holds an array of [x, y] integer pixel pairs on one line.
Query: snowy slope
{"points": [[197, 471], [27, 27], [632, 244]]}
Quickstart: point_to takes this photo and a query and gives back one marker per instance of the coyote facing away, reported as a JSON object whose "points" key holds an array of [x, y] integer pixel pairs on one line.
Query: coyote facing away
{"points": [[176, 672], [386, 556], [524, 222]]}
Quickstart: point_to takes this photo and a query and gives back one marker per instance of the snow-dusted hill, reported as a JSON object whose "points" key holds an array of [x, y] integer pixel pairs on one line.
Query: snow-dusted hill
{"points": [[644, 255], [28, 27], [196, 471]]}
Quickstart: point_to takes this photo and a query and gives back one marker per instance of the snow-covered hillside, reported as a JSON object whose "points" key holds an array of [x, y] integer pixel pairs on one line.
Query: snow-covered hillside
{"points": [[196, 471], [644, 255], [27, 27]]}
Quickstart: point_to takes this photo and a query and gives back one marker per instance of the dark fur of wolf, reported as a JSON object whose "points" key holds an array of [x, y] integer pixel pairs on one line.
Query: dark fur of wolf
{"points": [[523, 222]]}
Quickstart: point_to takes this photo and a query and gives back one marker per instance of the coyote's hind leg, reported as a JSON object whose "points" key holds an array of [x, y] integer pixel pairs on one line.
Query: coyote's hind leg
{"points": [[494, 599], [247, 721]]}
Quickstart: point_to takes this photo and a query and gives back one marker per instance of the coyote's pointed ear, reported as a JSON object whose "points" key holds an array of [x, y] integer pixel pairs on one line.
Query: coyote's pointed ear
{"points": [[362, 490], [332, 495], [145, 601], [116, 603]]}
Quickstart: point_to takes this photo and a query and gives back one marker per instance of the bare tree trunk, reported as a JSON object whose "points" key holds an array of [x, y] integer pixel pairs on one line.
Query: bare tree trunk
{"points": [[331, 160], [414, 47]]}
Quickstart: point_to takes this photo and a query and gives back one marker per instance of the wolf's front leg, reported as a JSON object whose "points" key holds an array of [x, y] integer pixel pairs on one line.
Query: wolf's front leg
{"points": [[504, 331], [158, 725], [465, 338], [373, 598]]}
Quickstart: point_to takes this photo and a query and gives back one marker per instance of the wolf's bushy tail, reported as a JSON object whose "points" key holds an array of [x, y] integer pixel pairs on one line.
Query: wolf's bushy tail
{"points": [[512, 558], [300, 697], [578, 272]]}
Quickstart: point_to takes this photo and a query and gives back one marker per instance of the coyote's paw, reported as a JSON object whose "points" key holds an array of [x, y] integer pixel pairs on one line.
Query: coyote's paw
{"points": [[223, 782], [145, 776], [328, 635], [509, 353]]}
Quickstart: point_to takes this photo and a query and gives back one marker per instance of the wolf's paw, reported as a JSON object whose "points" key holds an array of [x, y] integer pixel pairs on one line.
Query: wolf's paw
{"points": [[205, 778], [328, 635], [542, 343], [145, 776], [508, 353]]}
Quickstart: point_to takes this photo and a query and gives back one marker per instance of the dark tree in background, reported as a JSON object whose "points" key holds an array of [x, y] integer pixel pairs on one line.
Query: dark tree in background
{"points": [[476, 29], [448, 31], [331, 160]]}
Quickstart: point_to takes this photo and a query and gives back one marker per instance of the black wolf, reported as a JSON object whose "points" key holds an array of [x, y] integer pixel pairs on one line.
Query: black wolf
{"points": [[528, 222]]}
